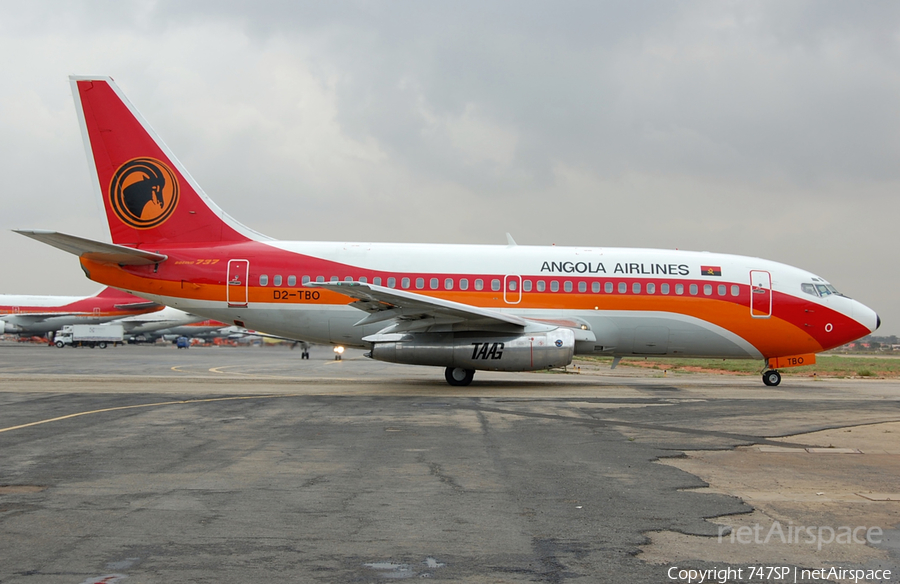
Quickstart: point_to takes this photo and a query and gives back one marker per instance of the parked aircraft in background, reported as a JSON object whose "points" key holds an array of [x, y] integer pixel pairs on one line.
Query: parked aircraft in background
{"points": [[37, 315], [461, 307], [166, 318]]}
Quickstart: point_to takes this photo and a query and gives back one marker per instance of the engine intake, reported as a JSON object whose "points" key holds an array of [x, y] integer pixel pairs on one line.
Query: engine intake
{"points": [[495, 352]]}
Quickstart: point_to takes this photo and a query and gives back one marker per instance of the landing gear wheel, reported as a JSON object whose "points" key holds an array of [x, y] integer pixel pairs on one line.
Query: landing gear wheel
{"points": [[771, 378], [304, 355], [458, 376]]}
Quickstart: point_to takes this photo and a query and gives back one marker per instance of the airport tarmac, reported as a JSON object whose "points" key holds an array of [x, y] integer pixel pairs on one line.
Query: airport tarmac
{"points": [[153, 464]]}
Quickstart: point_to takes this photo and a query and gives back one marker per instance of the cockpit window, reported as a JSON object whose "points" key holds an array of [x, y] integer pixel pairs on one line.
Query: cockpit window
{"points": [[822, 290]]}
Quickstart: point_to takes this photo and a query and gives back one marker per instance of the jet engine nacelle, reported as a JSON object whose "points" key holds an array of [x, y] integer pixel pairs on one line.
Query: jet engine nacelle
{"points": [[9, 328], [496, 352]]}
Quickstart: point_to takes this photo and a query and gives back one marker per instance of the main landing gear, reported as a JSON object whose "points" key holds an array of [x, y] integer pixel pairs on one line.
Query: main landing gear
{"points": [[458, 376], [771, 378]]}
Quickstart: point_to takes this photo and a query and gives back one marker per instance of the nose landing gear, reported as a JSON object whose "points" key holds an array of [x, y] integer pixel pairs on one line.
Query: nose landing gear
{"points": [[771, 378]]}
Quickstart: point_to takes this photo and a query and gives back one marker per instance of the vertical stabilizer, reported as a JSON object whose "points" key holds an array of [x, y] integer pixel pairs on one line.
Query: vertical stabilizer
{"points": [[148, 196]]}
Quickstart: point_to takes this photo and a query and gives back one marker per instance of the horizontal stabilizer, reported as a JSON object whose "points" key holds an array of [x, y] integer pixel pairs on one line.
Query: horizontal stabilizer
{"points": [[97, 251]]}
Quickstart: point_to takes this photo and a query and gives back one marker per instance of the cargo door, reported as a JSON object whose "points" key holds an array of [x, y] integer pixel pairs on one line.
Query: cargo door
{"points": [[760, 294], [236, 292], [651, 340]]}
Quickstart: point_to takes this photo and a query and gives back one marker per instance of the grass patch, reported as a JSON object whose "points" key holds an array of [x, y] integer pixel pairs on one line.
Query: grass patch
{"points": [[826, 366]]}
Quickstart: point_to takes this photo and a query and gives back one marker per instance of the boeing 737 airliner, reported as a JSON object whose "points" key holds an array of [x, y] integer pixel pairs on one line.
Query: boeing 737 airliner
{"points": [[461, 307]]}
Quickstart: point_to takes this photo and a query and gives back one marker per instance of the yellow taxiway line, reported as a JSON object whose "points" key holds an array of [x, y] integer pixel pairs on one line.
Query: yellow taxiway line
{"points": [[158, 404]]}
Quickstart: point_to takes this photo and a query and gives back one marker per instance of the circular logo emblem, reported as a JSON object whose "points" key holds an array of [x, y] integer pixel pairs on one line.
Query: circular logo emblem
{"points": [[143, 193], [559, 342]]}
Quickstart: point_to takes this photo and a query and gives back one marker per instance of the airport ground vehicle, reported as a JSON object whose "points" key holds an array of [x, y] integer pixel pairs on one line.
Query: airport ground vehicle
{"points": [[88, 335], [183, 342], [461, 307]]}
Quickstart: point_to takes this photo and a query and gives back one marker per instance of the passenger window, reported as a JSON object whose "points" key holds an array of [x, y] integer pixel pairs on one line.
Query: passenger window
{"points": [[512, 285], [448, 283], [554, 286], [463, 284], [636, 287], [404, 283], [707, 289], [479, 284], [495, 285], [735, 290], [392, 282], [433, 283], [377, 280], [608, 287], [304, 280], [276, 280], [541, 286], [582, 286], [623, 287], [348, 278], [595, 287], [363, 279], [694, 289], [333, 279], [292, 280], [263, 280], [679, 289], [664, 289], [526, 286], [320, 279], [567, 286], [651, 288], [420, 283], [722, 290]]}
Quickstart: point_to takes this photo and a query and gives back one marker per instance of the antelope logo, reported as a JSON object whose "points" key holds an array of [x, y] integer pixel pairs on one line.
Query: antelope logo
{"points": [[143, 193]]}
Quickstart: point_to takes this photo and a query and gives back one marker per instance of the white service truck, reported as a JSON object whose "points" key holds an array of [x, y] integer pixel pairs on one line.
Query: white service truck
{"points": [[89, 335]]}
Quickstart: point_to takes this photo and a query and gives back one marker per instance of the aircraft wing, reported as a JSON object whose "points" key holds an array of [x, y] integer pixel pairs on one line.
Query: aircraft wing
{"points": [[94, 250], [409, 308]]}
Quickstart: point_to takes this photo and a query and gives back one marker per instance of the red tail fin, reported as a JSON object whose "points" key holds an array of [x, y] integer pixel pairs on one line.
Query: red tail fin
{"points": [[112, 293], [148, 195]]}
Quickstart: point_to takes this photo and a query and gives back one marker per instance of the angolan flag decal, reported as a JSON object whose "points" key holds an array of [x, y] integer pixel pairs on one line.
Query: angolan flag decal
{"points": [[710, 271]]}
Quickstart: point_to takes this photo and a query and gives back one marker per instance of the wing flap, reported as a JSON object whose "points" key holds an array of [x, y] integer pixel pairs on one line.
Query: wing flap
{"points": [[97, 251]]}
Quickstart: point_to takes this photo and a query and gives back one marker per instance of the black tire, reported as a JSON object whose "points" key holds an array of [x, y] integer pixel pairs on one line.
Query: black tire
{"points": [[60, 344], [771, 378], [459, 377], [102, 344]]}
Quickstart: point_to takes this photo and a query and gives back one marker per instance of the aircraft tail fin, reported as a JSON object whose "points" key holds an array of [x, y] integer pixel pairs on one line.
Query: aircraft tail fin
{"points": [[148, 195]]}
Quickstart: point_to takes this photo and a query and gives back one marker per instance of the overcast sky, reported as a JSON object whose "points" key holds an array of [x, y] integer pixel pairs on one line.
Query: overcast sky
{"points": [[766, 129]]}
